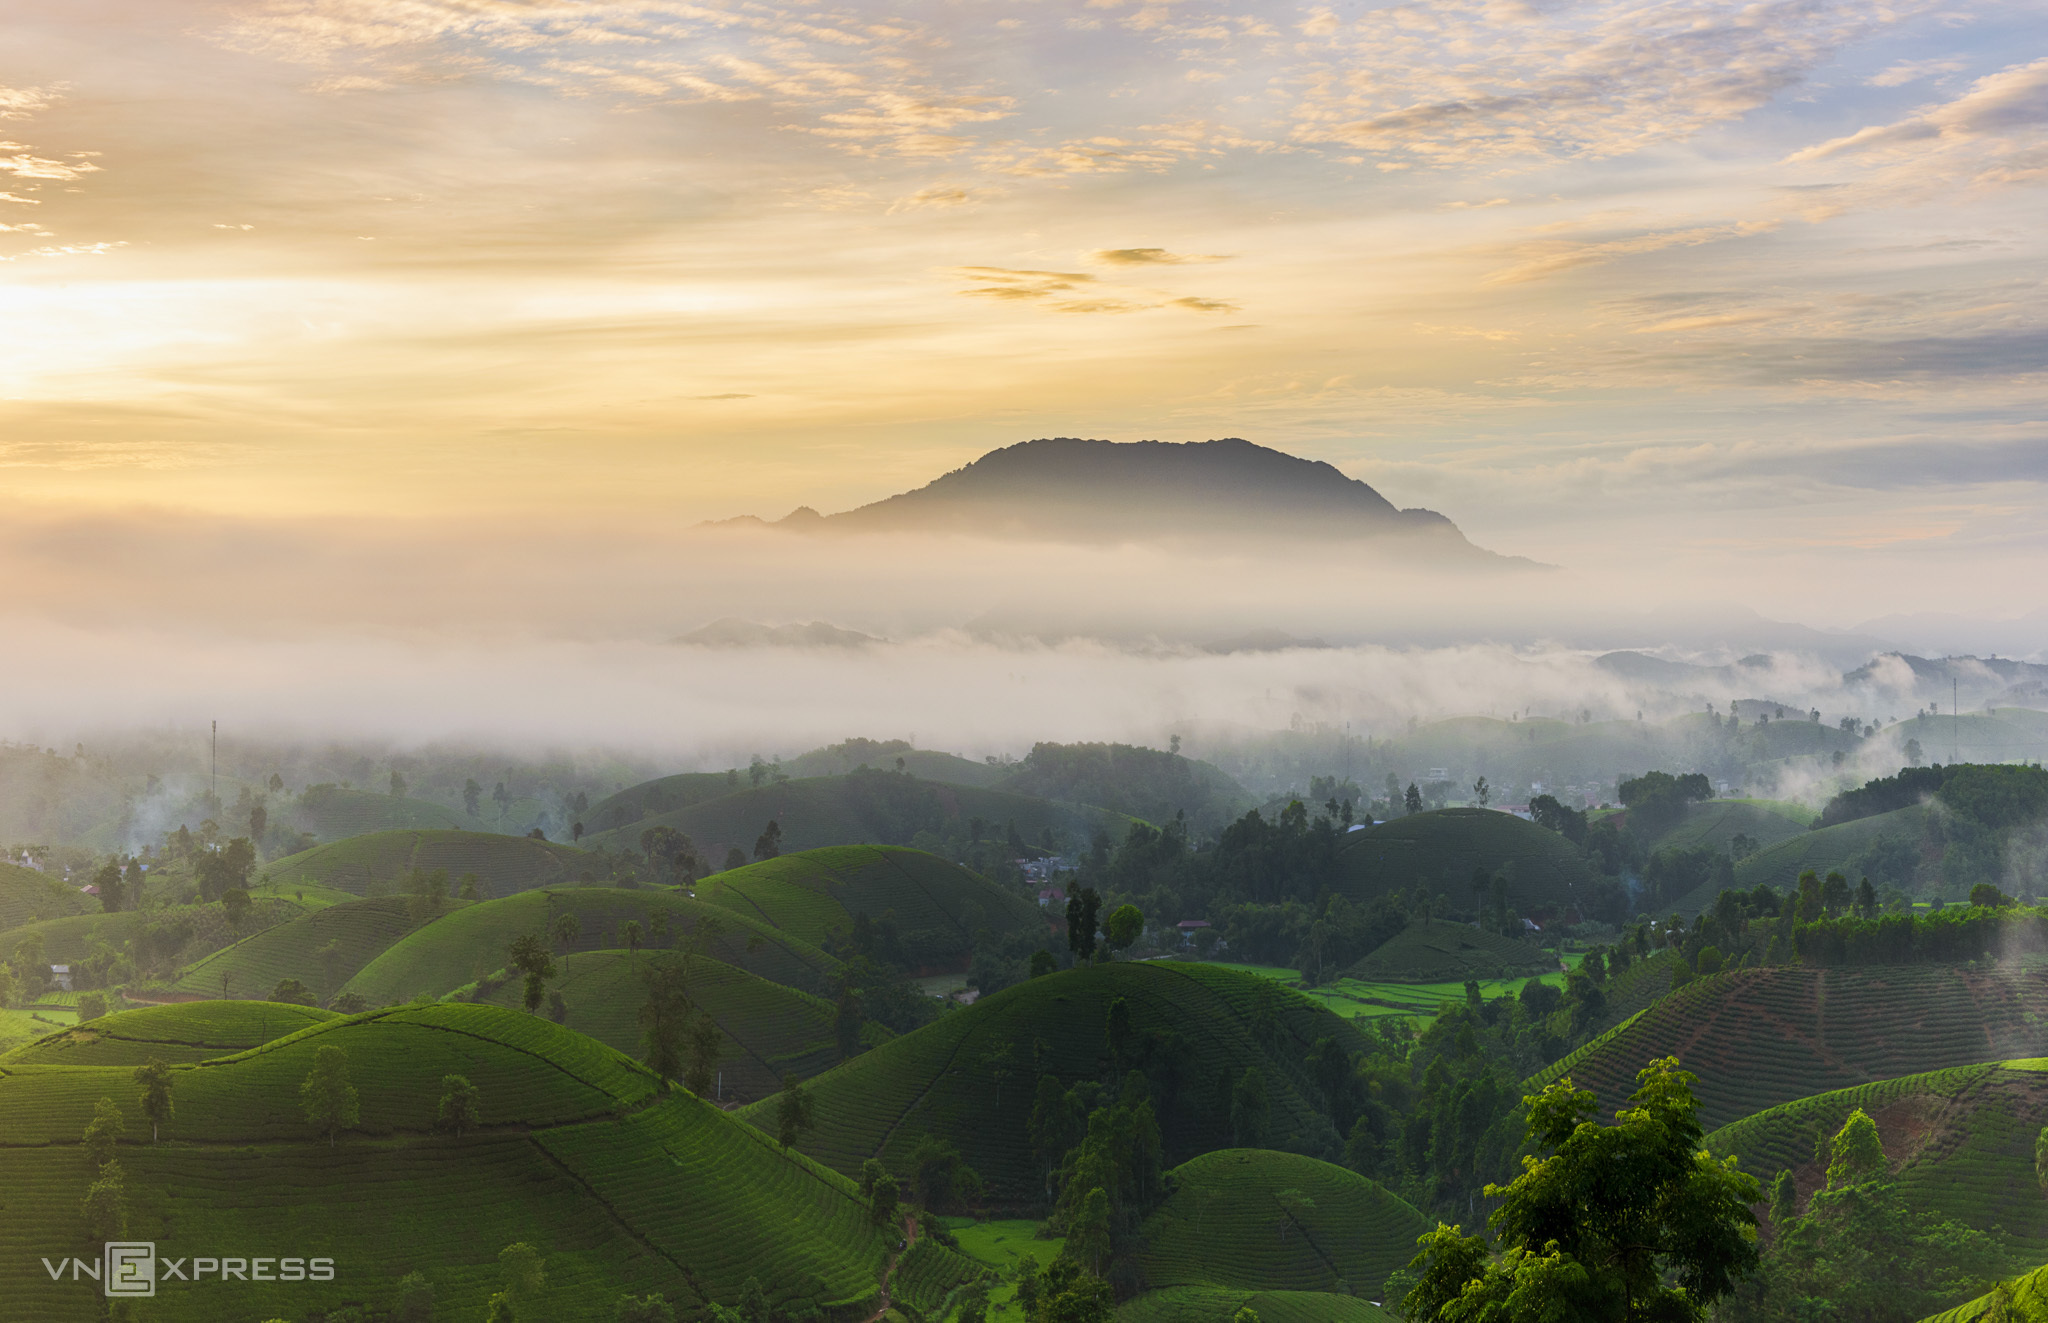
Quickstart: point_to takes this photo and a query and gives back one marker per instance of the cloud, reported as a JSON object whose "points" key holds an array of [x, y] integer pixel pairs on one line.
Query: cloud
{"points": [[1148, 257], [937, 196], [2009, 105], [1911, 71], [21, 102], [1548, 258], [23, 165], [1010, 283], [1204, 305]]}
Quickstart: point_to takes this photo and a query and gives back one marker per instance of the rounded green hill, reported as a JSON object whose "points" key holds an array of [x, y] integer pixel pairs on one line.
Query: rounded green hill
{"points": [[936, 906], [770, 1030], [969, 1077], [506, 864], [26, 896], [622, 1188], [1261, 1220], [1546, 874], [871, 807], [322, 950], [1442, 952], [1761, 1037], [463, 946], [181, 1032], [1827, 849]]}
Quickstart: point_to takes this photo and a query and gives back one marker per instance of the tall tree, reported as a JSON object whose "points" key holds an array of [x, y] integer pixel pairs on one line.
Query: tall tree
{"points": [[461, 1106], [328, 1099], [792, 1112], [154, 1076], [663, 1020], [531, 957], [1622, 1222], [103, 1132], [706, 1046]]}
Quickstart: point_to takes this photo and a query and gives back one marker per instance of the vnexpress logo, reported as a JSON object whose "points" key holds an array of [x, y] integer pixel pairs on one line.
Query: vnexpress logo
{"points": [[130, 1269]]}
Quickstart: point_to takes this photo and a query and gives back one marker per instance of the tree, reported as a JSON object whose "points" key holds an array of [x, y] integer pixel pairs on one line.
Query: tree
{"points": [[754, 1302], [769, 843], [1088, 1233], [629, 932], [105, 1204], [154, 1077], [882, 1200], [1627, 1221], [1043, 962], [645, 1309], [108, 880], [1123, 927], [461, 1106], [415, 1299], [792, 1112], [1245, 1314], [328, 1098], [235, 902], [1914, 753], [1248, 1109], [531, 957], [103, 1132], [1082, 908], [663, 1017], [1482, 792], [1412, 802], [735, 858], [426, 892], [471, 793], [291, 992], [7, 986], [707, 1045], [91, 1006], [525, 1276], [565, 930], [397, 784]]}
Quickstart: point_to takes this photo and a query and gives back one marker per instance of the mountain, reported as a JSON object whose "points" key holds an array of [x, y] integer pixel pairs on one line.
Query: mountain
{"points": [[1074, 490]]}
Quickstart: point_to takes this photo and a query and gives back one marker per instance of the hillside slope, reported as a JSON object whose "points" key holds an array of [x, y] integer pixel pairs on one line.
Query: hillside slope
{"points": [[936, 906], [1260, 1220], [664, 794], [504, 864], [332, 813], [1960, 1140], [621, 1188], [1829, 848], [1761, 1037], [864, 808], [463, 946], [1442, 952], [186, 1032], [26, 896], [323, 950], [1143, 783], [1546, 873], [1207, 1026], [770, 1030]]}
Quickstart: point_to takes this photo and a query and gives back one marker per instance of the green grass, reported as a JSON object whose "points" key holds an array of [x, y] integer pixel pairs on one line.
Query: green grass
{"points": [[939, 1079], [879, 808], [358, 932], [181, 1033], [937, 906], [1961, 1142], [506, 864], [1261, 1220], [2030, 1292], [1365, 999], [1545, 872], [459, 948], [1001, 1244], [769, 1029], [1758, 1038], [1829, 848], [26, 896], [1440, 952], [1209, 1304], [621, 1188]]}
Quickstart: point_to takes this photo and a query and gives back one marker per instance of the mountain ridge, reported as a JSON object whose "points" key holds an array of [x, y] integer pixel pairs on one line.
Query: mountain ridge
{"points": [[1089, 490]]}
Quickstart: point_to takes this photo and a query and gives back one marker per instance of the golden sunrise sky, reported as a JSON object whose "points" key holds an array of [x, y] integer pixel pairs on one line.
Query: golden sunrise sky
{"points": [[1744, 295]]}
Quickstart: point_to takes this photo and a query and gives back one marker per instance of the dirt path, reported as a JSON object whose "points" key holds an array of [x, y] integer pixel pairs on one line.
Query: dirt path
{"points": [[895, 1257]]}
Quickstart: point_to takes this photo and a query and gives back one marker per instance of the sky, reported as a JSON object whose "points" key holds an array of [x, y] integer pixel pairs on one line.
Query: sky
{"points": [[396, 312]]}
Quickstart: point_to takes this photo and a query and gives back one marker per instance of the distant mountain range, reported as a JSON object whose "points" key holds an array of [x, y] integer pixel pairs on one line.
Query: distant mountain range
{"points": [[1066, 489]]}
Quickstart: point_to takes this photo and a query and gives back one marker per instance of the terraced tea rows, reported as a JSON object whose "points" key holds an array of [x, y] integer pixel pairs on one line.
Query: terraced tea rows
{"points": [[507, 864], [1761, 1037], [1437, 952], [1961, 1141], [969, 1076], [936, 905], [191, 1031], [1261, 1220], [322, 950], [1824, 850], [461, 947], [1443, 848], [622, 1189], [26, 896], [770, 1029], [1207, 1304]]}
